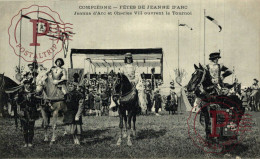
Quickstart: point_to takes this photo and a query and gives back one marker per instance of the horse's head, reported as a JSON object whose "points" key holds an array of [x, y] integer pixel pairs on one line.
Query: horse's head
{"points": [[196, 78], [122, 84], [2, 81], [117, 83]]}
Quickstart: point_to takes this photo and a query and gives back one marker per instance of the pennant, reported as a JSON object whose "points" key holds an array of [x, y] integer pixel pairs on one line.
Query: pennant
{"points": [[25, 16], [186, 26], [214, 21]]}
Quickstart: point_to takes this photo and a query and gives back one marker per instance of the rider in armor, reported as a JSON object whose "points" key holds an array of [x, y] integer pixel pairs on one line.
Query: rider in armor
{"points": [[59, 75], [255, 84], [217, 71], [130, 70], [133, 75]]}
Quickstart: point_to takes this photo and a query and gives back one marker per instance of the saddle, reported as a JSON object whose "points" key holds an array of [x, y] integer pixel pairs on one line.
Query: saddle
{"points": [[129, 96]]}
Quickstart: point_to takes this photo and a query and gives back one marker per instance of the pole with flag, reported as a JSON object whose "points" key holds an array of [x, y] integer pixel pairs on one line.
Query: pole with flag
{"points": [[213, 21], [179, 72]]}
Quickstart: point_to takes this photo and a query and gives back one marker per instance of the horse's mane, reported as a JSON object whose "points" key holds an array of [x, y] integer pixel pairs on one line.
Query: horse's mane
{"points": [[126, 84]]}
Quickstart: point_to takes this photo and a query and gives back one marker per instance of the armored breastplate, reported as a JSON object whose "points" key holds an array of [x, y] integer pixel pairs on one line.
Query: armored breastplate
{"points": [[57, 73], [214, 73], [129, 71]]}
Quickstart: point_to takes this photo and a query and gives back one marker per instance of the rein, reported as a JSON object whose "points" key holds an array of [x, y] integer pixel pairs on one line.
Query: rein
{"points": [[199, 86]]}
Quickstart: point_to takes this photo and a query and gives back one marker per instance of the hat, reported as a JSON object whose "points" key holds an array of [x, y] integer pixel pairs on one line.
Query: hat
{"points": [[128, 54], [256, 80], [34, 64], [61, 60], [28, 81], [214, 55]]}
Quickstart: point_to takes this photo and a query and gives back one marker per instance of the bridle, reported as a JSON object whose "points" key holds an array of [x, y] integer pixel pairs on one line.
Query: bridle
{"points": [[200, 86]]}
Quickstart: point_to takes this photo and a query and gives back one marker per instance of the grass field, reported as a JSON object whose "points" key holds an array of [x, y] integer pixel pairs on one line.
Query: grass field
{"points": [[157, 136]]}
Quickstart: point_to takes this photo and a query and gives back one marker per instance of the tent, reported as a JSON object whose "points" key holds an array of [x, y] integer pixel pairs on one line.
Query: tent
{"points": [[183, 102]]}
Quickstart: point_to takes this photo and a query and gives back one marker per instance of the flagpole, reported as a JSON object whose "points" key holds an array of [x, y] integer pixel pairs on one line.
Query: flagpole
{"points": [[204, 34], [35, 48], [19, 66], [178, 47]]}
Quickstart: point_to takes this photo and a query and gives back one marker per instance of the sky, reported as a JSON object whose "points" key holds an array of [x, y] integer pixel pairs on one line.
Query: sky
{"points": [[238, 40]]}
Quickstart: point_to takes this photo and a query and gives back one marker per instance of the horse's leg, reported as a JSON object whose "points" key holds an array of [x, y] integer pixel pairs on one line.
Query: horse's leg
{"points": [[130, 115], [45, 122], [134, 121], [125, 119], [15, 116], [54, 125], [121, 128]]}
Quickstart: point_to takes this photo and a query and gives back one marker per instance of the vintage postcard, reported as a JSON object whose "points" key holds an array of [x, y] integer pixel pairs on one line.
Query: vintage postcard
{"points": [[130, 79]]}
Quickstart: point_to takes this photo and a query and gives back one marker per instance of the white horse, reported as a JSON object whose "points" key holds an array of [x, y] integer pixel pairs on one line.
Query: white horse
{"points": [[53, 94]]}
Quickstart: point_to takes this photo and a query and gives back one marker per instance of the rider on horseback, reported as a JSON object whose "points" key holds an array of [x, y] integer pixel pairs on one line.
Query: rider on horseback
{"points": [[217, 71], [134, 76], [31, 74], [59, 75], [255, 84], [130, 70]]}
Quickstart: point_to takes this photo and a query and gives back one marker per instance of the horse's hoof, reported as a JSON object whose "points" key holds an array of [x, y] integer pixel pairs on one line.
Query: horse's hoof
{"points": [[53, 140], [46, 139], [119, 142], [129, 143], [134, 133]]}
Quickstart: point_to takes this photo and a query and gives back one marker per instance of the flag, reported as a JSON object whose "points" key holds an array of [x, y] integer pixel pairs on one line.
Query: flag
{"points": [[185, 25], [25, 16], [215, 22]]}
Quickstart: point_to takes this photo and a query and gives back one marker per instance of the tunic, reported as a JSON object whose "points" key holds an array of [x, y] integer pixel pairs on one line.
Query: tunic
{"points": [[28, 107], [217, 71], [73, 107], [97, 103]]}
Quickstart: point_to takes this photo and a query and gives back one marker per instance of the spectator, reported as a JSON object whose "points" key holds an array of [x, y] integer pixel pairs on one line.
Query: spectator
{"points": [[98, 104], [157, 102]]}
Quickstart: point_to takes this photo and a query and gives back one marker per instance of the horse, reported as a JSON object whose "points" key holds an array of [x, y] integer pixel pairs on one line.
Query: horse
{"points": [[51, 96], [126, 101], [8, 89], [201, 84]]}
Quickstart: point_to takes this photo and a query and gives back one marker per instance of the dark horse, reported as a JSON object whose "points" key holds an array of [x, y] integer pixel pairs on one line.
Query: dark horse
{"points": [[204, 89], [8, 88], [127, 103]]}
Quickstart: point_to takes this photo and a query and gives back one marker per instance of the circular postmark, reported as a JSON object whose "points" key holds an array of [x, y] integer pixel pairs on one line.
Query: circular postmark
{"points": [[37, 33], [225, 123]]}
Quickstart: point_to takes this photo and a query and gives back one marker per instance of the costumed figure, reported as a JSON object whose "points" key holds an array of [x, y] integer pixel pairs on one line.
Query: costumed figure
{"points": [[28, 112], [73, 115], [59, 76], [217, 72], [131, 72], [157, 102], [31, 74]]}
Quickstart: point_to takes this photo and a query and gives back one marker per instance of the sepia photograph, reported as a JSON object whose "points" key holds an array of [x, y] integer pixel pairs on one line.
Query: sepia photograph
{"points": [[130, 79]]}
